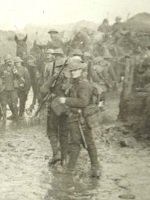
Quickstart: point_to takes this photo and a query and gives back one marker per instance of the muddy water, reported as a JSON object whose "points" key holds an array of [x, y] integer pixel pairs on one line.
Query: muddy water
{"points": [[25, 175]]}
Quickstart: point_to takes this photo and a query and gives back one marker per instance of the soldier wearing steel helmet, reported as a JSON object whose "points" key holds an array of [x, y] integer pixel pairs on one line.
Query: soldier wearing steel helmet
{"points": [[55, 40], [56, 117], [117, 28], [10, 97], [48, 65], [79, 98], [105, 28]]}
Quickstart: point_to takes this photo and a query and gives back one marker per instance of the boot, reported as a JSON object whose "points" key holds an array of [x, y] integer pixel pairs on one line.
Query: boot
{"points": [[56, 158], [95, 172], [73, 156], [56, 155]]}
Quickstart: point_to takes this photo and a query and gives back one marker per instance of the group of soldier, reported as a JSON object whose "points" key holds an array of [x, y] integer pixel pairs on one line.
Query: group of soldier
{"points": [[72, 101], [73, 90], [15, 85], [73, 85]]}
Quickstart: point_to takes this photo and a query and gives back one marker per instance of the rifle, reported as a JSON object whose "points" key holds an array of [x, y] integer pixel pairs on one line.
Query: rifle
{"points": [[53, 84]]}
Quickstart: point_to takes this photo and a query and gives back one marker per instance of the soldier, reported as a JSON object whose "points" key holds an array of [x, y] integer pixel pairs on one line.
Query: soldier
{"points": [[23, 78], [1, 92], [55, 41], [56, 121], [79, 99], [117, 28], [100, 78], [9, 80], [48, 66], [105, 28]]}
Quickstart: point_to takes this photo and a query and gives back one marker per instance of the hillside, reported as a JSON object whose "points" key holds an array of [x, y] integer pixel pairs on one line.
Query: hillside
{"points": [[139, 22]]}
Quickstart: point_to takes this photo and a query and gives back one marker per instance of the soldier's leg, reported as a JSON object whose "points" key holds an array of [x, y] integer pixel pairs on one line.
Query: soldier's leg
{"points": [[22, 101], [75, 144], [63, 136], [52, 132], [92, 151], [3, 100], [13, 104], [9, 102]]}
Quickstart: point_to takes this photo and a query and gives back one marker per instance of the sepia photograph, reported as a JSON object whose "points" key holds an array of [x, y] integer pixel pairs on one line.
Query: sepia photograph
{"points": [[75, 100]]}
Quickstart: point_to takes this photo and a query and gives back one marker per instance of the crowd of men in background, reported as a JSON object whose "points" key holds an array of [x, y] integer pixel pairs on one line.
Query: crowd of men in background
{"points": [[73, 78]]}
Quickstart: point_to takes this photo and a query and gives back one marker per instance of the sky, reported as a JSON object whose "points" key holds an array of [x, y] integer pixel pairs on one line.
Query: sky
{"points": [[15, 14]]}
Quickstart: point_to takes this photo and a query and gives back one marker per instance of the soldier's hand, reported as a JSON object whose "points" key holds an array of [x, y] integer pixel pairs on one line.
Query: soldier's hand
{"points": [[15, 71], [62, 100]]}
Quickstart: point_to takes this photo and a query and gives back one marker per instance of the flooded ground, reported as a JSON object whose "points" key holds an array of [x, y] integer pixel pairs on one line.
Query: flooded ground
{"points": [[24, 173]]}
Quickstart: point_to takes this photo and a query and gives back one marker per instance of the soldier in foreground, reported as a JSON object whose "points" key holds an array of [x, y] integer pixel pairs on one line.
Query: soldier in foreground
{"points": [[56, 120], [79, 102]]}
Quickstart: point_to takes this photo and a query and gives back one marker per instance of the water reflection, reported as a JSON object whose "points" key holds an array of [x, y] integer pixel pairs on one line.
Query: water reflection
{"points": [[66, 186]]}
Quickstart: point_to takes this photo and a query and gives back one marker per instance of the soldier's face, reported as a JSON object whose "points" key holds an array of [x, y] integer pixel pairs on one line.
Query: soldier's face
{"points": [[58, 57], [54, 36], [17, 64], [49, 57], [31, 62], [9, 63], [9, 66], [76, 73]]}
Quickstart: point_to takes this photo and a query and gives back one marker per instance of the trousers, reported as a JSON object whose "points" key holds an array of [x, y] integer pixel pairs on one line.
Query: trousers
{"points": [[57, 133], [22, 101], [75, 145], [12, 100]]}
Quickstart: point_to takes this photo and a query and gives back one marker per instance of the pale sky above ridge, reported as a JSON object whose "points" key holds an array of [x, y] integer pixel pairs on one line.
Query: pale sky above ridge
{"points": [[15, 14]]}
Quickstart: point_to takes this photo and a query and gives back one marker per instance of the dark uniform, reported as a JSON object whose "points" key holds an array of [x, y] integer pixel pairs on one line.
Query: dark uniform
{"points": [[79, 99], [23, 86], [105, 28], [56, 41], [56, 124], [117, 29], [9, 95], [56, 127], [48, 65]]}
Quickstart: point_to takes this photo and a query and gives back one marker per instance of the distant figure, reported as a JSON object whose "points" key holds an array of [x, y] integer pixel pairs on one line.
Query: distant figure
{"points": [[105, 28], [55, 40], [8, 81], [117, 28], [23, 84]]}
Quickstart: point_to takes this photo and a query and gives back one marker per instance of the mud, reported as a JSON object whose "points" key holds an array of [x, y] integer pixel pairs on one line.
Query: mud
{"points": [[25, 175]]}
